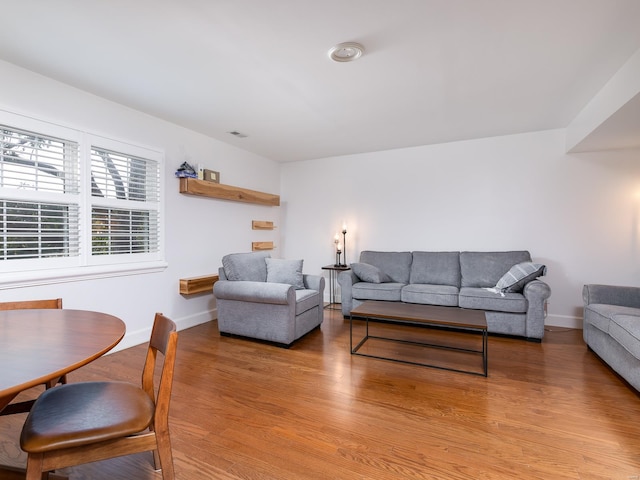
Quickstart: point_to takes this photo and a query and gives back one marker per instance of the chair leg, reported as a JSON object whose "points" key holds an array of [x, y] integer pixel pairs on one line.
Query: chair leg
{"points": [[34, 467], [164, 455]]}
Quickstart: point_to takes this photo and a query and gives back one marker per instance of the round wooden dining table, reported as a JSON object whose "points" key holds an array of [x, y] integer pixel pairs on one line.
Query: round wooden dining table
{"points": [[37, 346]]}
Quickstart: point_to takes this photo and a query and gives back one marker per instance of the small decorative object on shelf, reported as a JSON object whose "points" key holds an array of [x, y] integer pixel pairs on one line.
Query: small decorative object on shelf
{"points": [[186, 171], [211, 176]]}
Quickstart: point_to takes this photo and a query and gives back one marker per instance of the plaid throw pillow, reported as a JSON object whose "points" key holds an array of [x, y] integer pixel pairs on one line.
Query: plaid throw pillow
{"points": [[519, 275]]}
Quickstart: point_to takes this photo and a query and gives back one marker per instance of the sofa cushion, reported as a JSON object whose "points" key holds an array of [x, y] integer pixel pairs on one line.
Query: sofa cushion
{"points": [[519, 275], [285, 271], [377, 291], [369, 273], [430, 294], [625, 329], [395, 264], [246, 266], [600, 314], [481, 299], [435, 268], [484, 269]]}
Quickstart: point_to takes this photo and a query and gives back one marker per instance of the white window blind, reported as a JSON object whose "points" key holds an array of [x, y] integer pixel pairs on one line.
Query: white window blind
{"points": [[125, 192], [75, 205], [39, 202]]}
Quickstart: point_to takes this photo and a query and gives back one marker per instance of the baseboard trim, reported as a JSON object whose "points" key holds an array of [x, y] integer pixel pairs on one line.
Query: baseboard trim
{"points": [[565, 321], [131, 339]]}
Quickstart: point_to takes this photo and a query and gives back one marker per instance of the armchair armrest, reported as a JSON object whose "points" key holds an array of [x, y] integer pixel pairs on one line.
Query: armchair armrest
{"points": [[313, 282], [611, 295], [258, 292]]}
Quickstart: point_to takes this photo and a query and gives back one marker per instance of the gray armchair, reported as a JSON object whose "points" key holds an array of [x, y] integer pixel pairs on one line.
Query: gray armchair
{"points": [[267, 299]]}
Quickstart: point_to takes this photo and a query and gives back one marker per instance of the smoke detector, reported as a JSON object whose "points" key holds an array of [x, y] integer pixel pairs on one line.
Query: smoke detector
{"points": [[346, 52]]}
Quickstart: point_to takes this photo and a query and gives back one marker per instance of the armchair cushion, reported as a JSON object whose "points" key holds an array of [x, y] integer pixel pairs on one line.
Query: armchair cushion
{"points": [[285, 271], [246, 266]]}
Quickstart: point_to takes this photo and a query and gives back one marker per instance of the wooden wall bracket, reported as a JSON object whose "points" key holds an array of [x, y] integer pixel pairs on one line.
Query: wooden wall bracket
{"points": [[262, 225], [189, 286], [256, 246]]}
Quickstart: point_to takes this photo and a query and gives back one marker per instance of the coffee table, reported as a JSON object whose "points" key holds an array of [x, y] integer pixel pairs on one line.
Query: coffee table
{"points": [[409, 314]]}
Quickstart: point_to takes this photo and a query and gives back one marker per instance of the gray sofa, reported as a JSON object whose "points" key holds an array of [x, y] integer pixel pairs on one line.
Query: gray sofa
{"points": [[457, 279], [267, 299], [611, 328]]}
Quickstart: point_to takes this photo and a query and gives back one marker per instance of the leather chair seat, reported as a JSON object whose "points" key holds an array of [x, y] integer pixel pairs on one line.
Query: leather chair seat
{"points": [[84, 413]]}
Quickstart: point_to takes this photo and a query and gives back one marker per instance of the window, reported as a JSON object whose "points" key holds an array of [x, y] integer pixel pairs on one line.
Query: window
{"points": [[72, 199], [125, 191], [39, 204]]}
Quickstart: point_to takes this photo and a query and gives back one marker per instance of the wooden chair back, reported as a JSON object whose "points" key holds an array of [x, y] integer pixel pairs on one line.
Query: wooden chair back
{"points": [[164, 340], [31, 304], [53, 303]]}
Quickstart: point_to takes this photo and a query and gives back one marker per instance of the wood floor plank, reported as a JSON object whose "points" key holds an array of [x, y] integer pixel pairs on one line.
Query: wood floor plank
{"points": [[248, 410]]}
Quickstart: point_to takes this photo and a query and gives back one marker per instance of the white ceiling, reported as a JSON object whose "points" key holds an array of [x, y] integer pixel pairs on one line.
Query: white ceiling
{"points": [[434, 70]]}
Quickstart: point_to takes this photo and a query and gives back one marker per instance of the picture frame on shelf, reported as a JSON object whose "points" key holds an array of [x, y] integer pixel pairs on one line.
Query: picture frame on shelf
{"points": [[211, 176]]}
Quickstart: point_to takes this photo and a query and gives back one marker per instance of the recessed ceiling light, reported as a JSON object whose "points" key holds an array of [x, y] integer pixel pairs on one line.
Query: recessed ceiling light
{"points": [[346, 52]]}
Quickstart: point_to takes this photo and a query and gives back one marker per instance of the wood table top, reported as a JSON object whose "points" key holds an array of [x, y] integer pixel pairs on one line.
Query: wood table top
{"points": [[417, 313], [40, 345]]}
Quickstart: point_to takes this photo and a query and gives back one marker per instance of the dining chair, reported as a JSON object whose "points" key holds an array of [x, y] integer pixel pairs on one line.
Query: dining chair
{"points": [[25, 406], [86, 422]]}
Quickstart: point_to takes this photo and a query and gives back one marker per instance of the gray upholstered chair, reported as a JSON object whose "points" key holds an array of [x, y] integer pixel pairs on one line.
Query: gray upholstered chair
{"points": [[267, 299]]}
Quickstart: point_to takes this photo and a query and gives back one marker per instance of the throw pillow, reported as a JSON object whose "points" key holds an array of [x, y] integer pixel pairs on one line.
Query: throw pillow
{"points": [[285, 271], [369, 273], [245, 266], [519, 275]]}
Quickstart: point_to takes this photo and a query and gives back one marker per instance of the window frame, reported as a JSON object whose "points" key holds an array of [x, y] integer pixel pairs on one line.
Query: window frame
{"points": [[43, 271]]}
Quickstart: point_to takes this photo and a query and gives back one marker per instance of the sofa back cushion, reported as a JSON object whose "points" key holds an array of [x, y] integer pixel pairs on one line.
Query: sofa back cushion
{"points": [[397, 265], [484, 269], [436, 268], [246, 266]]}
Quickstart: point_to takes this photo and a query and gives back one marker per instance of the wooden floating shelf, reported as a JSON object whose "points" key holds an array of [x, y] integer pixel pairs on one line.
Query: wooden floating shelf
{"points": [[193, 186], [262, 225], [256, 246], [189, 286]]}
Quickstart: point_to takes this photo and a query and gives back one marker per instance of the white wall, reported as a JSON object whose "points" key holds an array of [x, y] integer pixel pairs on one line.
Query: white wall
{"points": [[199, 231], [578, 214]]}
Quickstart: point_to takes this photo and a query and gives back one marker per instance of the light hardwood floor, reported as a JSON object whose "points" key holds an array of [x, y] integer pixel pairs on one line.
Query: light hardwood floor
{"points": [[247, 410]]}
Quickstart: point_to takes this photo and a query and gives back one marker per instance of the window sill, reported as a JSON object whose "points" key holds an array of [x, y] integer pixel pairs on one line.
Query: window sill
{"points": [[77, 274]]}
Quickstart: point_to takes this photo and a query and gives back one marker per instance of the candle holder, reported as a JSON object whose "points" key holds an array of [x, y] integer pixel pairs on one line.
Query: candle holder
{"points": [[338, 264], [344, 245]]}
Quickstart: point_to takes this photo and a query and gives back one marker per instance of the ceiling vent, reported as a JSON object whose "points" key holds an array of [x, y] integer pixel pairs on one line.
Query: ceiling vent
{"points": [[237, 134]]}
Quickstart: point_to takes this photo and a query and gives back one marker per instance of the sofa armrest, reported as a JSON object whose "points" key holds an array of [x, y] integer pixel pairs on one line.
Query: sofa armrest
{"points": [[257, 292], [314, 282], [611, 295], [346, 280], [536, 291]]}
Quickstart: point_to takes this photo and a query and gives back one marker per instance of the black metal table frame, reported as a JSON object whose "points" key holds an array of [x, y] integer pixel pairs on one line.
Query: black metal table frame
{"points": [[422, 323], [334, 271]]}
